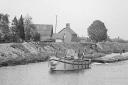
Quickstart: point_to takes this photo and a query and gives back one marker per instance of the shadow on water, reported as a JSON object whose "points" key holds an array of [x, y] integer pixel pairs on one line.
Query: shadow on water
{"points": [[62, 72]]}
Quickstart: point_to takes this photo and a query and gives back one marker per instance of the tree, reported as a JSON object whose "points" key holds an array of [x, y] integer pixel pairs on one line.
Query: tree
{"points": [[14, 26], [4, 26], [30, 29], [36, 36], [15, 21], [4, 19], [20, 27], [4, 22], [97, 31], [14, 30]]}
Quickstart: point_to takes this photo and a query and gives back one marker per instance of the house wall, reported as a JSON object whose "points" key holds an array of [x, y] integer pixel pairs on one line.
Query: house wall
{"points": [[67, 36], [74, 38], [58, 40]]}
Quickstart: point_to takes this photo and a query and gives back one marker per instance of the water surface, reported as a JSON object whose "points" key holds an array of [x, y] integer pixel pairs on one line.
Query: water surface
{"points": [[38, 74]]}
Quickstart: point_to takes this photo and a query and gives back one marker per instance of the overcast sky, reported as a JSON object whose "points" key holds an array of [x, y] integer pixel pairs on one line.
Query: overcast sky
{"points": [[79, 13]]}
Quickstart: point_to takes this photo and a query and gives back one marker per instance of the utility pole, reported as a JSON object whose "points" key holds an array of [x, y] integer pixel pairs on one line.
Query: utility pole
{"points": [[56, 24]]}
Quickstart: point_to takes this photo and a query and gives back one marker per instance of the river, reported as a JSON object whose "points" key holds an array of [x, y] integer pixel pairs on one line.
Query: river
{"points": [[38, 74]]}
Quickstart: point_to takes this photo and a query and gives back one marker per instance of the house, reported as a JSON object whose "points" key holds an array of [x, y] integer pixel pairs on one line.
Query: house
{"points": [[45, 31], [66, 35], [57, 37]]}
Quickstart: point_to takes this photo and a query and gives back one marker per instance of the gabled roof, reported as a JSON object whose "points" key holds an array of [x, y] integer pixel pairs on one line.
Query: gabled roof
{"points": [[44, 29], [69, 30]]}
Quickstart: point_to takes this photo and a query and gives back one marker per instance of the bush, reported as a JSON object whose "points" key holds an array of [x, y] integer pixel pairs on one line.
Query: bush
{"points": [[20, 46], [119, 40]]}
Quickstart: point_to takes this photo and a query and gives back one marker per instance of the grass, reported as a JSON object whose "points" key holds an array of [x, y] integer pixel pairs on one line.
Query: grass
{"points": [[19, 46], [24, 56], [29, 58], [112, 47]]}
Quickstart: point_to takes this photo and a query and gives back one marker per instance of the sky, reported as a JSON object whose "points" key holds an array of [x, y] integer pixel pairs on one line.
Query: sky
{"points": [[79, 13]]}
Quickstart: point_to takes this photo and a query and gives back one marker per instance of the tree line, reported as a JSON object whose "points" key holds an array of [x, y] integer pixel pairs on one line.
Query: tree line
{"points": [[18, 30], [22, 29]]}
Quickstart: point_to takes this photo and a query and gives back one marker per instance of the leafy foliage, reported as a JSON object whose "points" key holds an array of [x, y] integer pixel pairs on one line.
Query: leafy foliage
{"points": [[23, 29], [97, 31], [4, 26], [30, 30], [14, 30], [36, 37], [20, 28]]}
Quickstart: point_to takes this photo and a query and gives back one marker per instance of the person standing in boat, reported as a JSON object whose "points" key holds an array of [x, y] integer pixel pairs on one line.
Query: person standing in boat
{"points": [[80, 54], [122, 51], [75, 55]]}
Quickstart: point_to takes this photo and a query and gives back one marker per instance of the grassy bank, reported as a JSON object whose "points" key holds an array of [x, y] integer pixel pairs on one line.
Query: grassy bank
{"points": [[29, 58], [21, 53], [112, 47], [32, 52]]}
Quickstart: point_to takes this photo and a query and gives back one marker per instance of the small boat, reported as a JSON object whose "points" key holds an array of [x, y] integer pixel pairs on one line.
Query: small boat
{"points": [[65, 64]]}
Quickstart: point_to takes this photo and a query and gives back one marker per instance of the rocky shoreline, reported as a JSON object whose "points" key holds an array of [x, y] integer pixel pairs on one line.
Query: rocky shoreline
{"points": [[111, 58]]}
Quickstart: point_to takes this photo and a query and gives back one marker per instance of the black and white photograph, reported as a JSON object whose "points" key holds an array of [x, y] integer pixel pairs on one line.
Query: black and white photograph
{"points": [[63, 42]]}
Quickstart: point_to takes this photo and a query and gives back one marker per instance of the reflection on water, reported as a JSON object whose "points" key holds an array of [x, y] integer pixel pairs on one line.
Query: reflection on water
{"points": [[38, 74]]}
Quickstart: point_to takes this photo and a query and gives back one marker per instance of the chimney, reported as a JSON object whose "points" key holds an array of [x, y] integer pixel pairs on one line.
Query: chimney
{"points": [[67, 25]]}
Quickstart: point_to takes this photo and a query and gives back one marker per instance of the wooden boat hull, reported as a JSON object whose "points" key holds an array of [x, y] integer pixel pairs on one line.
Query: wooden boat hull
{"points": [[68, 64]]}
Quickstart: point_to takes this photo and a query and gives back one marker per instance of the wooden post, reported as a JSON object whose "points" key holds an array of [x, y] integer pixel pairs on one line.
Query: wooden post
{"points": [[64, 63], [56, 24], [64, 66], [73, 64], [48, 62], [78, 65]]}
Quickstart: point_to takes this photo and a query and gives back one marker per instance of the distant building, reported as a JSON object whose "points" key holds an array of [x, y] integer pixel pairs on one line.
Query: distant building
{"points": [[84, 39], [66, 35], [57, 37], [45, 31]]}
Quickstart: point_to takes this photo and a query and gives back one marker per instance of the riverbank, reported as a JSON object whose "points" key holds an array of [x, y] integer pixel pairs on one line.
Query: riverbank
{"points": [[21, 53], [33, 52], [112, 58]]}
